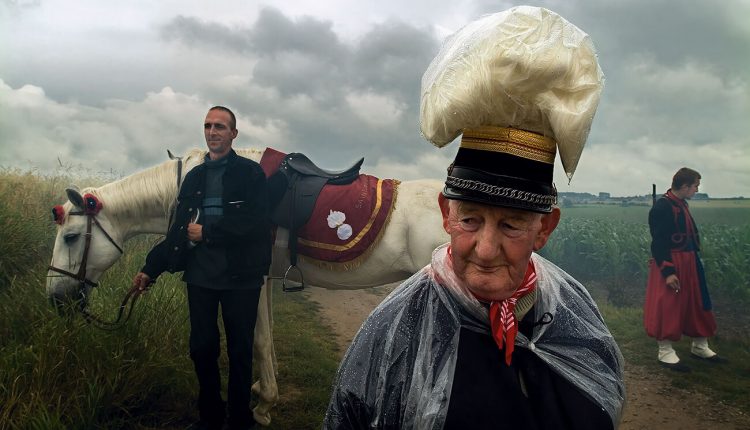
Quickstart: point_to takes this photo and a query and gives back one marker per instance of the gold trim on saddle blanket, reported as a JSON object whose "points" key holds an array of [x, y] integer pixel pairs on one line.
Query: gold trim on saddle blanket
{"points": [[356, 262], [362, 233], [512, 141]]}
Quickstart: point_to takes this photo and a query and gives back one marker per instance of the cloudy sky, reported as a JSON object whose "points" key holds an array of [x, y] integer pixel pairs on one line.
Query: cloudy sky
{"points": [[112, 85]]}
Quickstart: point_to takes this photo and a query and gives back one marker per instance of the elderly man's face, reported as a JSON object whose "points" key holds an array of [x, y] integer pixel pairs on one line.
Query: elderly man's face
{"points": [[491, 246]]}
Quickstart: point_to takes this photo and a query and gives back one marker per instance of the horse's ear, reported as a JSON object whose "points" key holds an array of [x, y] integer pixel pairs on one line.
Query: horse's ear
{"points": [[74, 196], [172, 156]]}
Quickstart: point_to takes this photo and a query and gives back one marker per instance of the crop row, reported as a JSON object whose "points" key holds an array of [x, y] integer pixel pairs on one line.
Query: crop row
{"points": [[614, 254]]}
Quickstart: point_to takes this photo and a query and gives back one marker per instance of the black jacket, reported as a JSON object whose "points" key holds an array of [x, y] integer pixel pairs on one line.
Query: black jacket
{"points": [[244, 230]]}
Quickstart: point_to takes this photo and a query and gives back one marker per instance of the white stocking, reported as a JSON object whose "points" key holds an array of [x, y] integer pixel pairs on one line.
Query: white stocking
{"points": [[701, 349], [667, 354]]}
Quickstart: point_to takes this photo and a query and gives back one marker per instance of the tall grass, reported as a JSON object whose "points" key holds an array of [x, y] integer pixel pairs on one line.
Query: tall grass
{"points": [[60, 373], [614, 253], [723, 212], [608, 250]]}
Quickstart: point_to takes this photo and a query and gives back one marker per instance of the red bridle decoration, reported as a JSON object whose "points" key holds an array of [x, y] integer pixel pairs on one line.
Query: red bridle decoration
{"points": [[92, 205], [58, 214]]}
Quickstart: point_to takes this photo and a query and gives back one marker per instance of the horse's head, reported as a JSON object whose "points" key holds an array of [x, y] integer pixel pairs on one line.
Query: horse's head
{"points": [[86, 245]]}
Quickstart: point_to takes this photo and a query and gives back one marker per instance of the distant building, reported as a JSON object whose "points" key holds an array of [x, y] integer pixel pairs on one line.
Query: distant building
{"points": [[576, 198], [567, 199]]}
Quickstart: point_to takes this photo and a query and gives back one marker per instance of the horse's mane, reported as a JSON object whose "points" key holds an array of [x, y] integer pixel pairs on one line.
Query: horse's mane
{"points": [[133, 196]]}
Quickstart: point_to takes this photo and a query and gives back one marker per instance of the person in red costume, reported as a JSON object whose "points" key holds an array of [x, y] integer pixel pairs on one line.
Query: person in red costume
{"points": [[677, 299]]}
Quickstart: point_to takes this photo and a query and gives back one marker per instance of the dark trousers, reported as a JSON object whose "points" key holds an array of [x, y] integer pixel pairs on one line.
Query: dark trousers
{"points": [[239, 308]]}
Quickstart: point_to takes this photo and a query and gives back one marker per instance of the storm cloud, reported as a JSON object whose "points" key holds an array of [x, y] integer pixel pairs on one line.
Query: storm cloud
{"points": [[115, 86]]}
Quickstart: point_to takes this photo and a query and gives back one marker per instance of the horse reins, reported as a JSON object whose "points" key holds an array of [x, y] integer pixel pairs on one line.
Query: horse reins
{"points": [[80, 276]]}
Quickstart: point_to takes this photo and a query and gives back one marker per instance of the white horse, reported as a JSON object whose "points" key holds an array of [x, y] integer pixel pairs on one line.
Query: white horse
{"points": [[141, 203]]}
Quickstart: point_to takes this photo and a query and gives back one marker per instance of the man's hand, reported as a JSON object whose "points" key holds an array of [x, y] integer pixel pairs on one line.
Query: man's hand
{"points": [[673, 283], [195, 232], [141, 281]]}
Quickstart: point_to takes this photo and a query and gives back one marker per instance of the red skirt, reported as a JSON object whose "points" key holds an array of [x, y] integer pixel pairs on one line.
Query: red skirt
{"points": [[668, 315]]}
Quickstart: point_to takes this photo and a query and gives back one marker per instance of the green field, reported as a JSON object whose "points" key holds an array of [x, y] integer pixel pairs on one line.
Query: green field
{"points": [[59, 373], [609, 245], [726, 212]]}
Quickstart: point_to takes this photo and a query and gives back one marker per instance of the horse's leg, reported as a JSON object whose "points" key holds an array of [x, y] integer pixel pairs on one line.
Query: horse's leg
{"points": [[264, 357], [272, 344]]}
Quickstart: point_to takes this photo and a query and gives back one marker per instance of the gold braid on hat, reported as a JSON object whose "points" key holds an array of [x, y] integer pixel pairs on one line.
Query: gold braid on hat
{"points": [[520, 143]]}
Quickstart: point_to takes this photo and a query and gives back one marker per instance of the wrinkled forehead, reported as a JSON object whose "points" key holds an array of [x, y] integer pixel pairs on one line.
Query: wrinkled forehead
{"points": [[464, 207]]}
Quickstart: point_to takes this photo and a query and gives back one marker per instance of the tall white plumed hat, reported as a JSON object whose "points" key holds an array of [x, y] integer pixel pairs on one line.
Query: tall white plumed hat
{"points": [[518, 86]]}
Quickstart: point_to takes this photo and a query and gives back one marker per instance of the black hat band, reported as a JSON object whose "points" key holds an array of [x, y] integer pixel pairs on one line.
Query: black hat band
{"points": [[501, 192], [505, 167]]}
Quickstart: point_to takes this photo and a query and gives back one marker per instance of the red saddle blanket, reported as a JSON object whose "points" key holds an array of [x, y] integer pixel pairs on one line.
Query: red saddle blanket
{"points": [[347, 219]]}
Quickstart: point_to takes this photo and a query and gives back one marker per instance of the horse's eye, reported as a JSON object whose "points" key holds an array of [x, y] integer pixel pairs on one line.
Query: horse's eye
{"points": [[70, 238]]}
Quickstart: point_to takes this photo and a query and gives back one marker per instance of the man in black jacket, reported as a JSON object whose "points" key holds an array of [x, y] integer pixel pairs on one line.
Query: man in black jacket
{"points": [[221, 239]]}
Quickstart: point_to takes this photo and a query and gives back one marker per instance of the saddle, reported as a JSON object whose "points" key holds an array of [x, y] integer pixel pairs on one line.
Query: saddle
{"points": [[294, 189]]}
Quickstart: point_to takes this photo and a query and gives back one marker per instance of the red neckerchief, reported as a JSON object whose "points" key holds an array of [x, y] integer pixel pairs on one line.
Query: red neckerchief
{"points": [[502, 317], [682, 204], [503, 322]]}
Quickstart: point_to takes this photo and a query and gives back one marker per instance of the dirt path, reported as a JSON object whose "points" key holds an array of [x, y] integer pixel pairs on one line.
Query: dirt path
{"points": [[652, 403]]}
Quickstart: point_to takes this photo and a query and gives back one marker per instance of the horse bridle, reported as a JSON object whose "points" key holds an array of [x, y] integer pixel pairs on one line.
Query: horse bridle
{"points": [[80, 276], [83, 281]]}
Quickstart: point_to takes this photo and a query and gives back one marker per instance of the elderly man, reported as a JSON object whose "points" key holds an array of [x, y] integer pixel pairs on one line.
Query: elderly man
{"points": [[491, 335]]}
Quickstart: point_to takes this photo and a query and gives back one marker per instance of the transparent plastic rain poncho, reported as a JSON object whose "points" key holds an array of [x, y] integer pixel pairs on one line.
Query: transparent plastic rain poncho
{"points": [[402, 360]]}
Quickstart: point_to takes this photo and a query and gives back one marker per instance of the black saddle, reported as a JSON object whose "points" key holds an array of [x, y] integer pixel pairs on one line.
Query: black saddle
{"points": [[294, 189], [300, 164]]}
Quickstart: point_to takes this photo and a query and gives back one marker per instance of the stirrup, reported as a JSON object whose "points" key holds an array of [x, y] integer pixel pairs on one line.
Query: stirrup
{"points": [[294, 286]]}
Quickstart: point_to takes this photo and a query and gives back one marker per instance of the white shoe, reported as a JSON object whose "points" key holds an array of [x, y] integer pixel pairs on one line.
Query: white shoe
{"points": [[667, 354], [700, 348], [668, 357]]}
